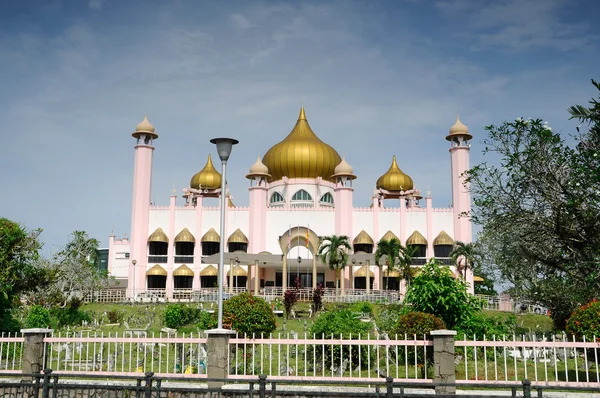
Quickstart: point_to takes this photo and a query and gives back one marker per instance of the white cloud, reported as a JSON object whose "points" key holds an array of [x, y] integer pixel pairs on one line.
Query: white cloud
{"points": [[241, 21]]}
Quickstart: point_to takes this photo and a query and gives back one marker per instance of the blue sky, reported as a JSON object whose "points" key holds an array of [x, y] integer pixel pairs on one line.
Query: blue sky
{"points": [[378, 78]]}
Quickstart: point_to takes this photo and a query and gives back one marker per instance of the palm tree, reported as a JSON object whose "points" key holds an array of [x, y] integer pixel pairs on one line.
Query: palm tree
{"points": [[406, 258], [467, 253], [391, 250], [334, 252]]}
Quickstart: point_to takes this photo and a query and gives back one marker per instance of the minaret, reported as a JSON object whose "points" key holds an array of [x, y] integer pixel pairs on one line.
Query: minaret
{"points": [[461, 198], [140, 210], [258, 175], [343, 176]]}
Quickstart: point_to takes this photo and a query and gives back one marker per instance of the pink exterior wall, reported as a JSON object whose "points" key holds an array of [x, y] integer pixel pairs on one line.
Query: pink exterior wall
{"points": [[343, 219], [111, 250], [257, 234], [142, 187], [429, 236], [402, 235], [376, 210], [171, 249], [461, 199], [198, 246]]}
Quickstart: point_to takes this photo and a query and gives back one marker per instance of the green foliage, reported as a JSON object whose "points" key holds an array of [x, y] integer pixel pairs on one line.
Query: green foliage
{"points": [[317, 298], [334, 252], [249, 315], [419, 324], [18, 272], [205, 321], [362, 306], [177, 315], [114, 316], [585, 321], [388, 316], [72, 315], [391, 250], [38, 317], [341, 323], [539, 209], [436, 292], [481, 324]]}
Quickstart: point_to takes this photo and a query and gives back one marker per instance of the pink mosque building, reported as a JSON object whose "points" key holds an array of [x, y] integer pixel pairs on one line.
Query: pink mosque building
{"points": [[299, 192]]}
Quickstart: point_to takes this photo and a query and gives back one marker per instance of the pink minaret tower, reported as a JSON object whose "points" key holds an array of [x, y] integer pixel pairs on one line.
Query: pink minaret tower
{"points": [[258, 175], [461, 198], [140, 211], [343, 175]]}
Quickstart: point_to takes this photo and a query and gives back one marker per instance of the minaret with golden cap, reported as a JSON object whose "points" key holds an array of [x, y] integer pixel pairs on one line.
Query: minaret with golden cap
{"points": [[459, 138], [140, 210], [258, 176]]}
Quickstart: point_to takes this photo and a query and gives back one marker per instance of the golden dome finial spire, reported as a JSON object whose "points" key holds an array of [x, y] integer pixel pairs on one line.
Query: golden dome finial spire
{"points": [[302, 115]]}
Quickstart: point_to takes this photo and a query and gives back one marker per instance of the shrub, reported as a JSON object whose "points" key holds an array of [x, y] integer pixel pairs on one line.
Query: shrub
{"points": [[388, 316], [114, 316], [436, 292], [481, 324], [413, 323], [317, 298], [338, 323], [69, 316], [177, 315], [363, 307], [38, 317], [248, 314], [290, 297], [585, 321]]}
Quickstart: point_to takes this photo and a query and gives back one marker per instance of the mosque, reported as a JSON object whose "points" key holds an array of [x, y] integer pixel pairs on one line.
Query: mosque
{"points": [[299, 192]]}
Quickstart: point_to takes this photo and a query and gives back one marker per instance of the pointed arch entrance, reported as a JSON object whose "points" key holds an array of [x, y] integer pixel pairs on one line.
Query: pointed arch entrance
{"points": [[294, 237]]}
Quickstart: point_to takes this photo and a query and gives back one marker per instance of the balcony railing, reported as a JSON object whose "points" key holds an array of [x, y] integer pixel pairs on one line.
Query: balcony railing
{"points": [[157, 259], [184, 259]]}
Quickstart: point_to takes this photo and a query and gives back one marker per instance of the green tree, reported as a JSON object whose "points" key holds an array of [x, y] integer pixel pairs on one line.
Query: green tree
{"points": [[73, 273], [334, 252], [464, 255], [19, 254], [390, 249], [435, 291], [405, 260]]}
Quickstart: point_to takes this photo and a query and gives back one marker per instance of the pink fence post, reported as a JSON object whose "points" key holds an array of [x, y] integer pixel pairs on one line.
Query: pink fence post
{"points": [[34, 353], [443, 360], [217, 361]]}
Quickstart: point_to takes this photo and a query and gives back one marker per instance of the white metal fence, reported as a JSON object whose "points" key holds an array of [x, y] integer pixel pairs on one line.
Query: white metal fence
{"points": [[11, 352]]}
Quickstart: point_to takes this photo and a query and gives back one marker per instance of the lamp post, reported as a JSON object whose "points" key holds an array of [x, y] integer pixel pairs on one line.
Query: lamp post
{"points": [[298, 283], [237, 264], [224, 146], [133, 282], [352, 274]]}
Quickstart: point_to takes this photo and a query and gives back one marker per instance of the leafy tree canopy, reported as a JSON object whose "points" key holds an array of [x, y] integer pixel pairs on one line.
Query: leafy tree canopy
{"points": [[539, 209]]}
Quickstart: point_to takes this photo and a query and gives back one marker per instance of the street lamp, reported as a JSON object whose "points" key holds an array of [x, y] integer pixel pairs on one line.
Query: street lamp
{"points": [[298, 282], [224, 146], [352, 273], [237, 264], [133, 282]]}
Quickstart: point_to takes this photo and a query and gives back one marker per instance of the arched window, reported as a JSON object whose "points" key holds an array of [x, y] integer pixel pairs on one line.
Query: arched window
{"points": [[276, 198], [302, 195], [326, 199]]}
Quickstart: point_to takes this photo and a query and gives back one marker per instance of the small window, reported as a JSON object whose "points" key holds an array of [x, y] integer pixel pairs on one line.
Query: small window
{"points": [[327, 198], [302, 195], [276, 198]]}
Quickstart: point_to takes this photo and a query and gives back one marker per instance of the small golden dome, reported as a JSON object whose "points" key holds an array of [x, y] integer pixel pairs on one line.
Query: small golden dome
{"points": [[238, 271], [443, 239], [185, 236], [301, 155], [458, 129], [145, 127], [209, 271], [416, 239], [363, 238], [207, 178], [258, 169], [158, 236], [395, 179], [157, 270], [237, 237], [210, 236], [389, 235], [183, 270]]}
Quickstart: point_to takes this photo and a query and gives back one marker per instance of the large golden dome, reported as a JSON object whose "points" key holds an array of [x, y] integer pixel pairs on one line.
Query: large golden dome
{"points": [[301, 155], [207, 178], [395, 179]]}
